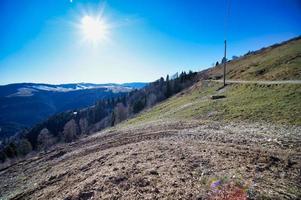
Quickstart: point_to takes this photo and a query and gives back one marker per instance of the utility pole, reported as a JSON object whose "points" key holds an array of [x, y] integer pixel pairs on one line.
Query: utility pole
{"points": [[225, 62]]}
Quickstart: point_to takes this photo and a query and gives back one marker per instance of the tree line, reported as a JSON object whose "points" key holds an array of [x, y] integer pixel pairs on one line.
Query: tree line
{"points": [[69, 126]]}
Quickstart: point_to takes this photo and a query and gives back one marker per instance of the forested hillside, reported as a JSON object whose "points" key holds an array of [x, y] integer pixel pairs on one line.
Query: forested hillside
{"points": [[71, 125], [40, 101], [188, 137]]}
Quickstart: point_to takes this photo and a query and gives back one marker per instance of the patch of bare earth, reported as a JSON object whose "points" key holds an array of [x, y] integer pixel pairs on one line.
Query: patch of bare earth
{"points": [[165, 160]]}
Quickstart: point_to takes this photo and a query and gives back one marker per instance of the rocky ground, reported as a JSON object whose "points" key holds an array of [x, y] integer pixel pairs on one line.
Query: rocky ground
{"points": [[165, 160]]}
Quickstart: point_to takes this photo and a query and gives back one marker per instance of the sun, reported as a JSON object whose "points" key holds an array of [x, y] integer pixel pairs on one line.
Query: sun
{"points": [[94, 29]]}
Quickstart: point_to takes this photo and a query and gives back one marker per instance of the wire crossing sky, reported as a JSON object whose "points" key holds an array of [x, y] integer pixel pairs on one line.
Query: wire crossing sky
{"points": [[65, 41]]}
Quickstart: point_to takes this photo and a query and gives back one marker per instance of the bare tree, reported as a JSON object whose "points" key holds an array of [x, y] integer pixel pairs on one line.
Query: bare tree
{"points": [[45, 139], [70, 131], [151, 100], [83, 125], [120, 112]]}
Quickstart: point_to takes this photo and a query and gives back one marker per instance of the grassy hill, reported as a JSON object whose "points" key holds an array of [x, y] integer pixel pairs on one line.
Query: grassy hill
{"points": [[246, 145], [250, 102], [275, 103], [277, 62]]}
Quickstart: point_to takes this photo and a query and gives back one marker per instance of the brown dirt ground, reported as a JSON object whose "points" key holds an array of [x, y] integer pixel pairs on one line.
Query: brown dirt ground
{"points": [[165, 160]]}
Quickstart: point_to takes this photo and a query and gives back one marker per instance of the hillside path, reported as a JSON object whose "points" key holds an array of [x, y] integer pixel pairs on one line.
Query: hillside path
{"points": [[260, 82]]}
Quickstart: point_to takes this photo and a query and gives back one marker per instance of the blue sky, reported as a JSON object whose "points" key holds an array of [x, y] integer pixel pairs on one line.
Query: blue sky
{"points": [[40, 40]]}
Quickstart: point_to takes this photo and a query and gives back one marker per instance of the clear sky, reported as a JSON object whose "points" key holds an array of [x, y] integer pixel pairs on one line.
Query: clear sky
{"points": [[44, 40]]}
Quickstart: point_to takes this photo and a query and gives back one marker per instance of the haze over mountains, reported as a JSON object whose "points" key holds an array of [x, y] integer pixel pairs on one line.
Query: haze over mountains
{"points": [[201, 100], [173, 142], [25, 104]]}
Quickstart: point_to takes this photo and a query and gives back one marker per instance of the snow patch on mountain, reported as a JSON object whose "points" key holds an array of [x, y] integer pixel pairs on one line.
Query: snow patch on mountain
{"points": [[23, 92], [30, 90]]}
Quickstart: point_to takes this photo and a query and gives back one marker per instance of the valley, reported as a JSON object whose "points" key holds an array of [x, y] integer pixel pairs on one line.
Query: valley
{"points": [[150, 100], [246, 145], [40, 101]]}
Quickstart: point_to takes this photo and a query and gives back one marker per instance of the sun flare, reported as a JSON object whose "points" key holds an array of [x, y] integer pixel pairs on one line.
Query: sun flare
{"points": [[94, 29]]}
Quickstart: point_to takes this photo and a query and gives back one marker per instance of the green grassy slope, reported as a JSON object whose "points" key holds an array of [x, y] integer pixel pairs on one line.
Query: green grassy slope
{"points": [[251, 102], [278, 62]]}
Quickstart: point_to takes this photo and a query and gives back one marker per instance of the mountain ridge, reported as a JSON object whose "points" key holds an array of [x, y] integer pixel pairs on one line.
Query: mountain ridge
{"points": [[40, 101], [244, 145]]}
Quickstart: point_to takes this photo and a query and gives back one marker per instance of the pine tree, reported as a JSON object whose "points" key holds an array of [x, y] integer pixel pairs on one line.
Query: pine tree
{"points": [[168, 87]]}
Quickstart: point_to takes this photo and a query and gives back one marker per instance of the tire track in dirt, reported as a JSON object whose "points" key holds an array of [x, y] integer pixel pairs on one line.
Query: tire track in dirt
{"points": [[152, 161]]}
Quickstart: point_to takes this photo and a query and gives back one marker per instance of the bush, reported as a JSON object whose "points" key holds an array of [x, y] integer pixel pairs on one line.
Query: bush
{"points": [[3, 156], [24, 147], [10, 150]]}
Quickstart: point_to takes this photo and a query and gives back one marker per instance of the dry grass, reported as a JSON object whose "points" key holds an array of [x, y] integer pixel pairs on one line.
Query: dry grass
{"points": [[248, 102], [170, 160], [273, 63]]}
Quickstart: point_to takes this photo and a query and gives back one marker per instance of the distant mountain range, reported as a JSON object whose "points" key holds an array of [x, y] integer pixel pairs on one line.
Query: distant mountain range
{"points": [[25, 104]]}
